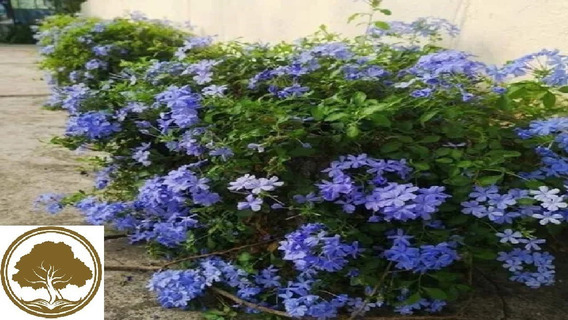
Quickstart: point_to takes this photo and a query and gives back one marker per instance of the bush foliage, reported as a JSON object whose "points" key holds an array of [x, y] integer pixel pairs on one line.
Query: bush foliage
{"points": [[328, 176]]}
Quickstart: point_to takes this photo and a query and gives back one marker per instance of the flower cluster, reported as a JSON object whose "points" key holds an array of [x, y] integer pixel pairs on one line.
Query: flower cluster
{"points": [[91, 125], [176, 288], [386, 201], [553, 162], [51, 202], [443, 71], [303, 248], [183, 105], [192, 43], [70, 97], [529, 265], [422, 27], [256, 189], [421, 259], [505, 208], [549, 66]]}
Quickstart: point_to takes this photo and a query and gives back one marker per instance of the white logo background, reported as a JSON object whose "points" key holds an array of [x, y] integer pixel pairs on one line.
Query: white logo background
{"points": [[94, 234]]}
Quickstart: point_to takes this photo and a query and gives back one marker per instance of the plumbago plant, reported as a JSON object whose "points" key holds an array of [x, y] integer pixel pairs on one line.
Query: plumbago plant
{"points": [[330, 176], [81, 52]]}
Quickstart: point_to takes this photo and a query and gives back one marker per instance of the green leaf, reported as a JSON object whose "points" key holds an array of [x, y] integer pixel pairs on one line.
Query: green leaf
{"points": [[526, 201], [428, 115], [336, 116], [358, 98], [489, 180], [373, 108], [352, 131], [381, 120], [549, 100], [464, 164], [421, 166], [444, 160], [318, 112], [435, 293], [563, 89], [413, 299], [244, 257], [504, 102], [382, 25], [503, 154], [391, 146], [421, 151], [429, 139], [352, 17], [458, 181], [517, 91], [463, 287], [442, 152], [386, 12]]}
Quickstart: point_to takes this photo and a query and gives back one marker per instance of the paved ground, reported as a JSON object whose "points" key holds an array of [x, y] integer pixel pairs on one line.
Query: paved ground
{"points": [[30, 167]]}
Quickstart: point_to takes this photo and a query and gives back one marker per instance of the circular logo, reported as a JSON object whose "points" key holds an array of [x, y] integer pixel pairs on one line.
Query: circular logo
{"points": [[51, 272]]}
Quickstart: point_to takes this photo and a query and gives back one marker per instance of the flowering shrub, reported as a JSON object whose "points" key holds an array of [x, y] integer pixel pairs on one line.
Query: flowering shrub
{"points": [[85, 51], [327, 176]]}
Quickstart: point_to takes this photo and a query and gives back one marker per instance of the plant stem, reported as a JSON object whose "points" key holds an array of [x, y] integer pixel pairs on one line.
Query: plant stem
{"points": [[375, 289], [249, 304], [214, 253], [171, 263]]}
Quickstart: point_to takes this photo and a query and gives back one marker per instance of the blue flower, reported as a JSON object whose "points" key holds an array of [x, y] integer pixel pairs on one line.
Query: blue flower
{"points": [[268, 278], [301, 247], [309, 198], [142, 155], [214, 91], [255, 204], [548, 217], [482, 194], [532, 244], [510, 236], [224, 153], [103, 176], [202, 71], [330, 191], [256, 146], [265, 185], [175, 288], [183, 104], [92, 125], [50, 201], [95, 64], [99, 213], [422, 93], [424, 27], [293, 91], [47, 50], [192, 43], [294, 308], [102, 51]]}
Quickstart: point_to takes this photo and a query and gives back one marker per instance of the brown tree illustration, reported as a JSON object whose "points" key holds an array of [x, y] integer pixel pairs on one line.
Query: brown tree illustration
{"points": [[51, 266]]}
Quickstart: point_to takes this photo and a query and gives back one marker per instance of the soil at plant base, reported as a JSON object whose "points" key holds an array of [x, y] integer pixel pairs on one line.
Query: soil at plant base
{"points": [[29, 167]]}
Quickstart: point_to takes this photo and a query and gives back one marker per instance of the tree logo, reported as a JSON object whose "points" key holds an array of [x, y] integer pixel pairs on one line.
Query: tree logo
{"points": [[51, 272]]}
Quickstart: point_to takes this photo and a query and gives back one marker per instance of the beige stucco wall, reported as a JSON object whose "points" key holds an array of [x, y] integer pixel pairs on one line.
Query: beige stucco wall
{"points": [[495, 30]]}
